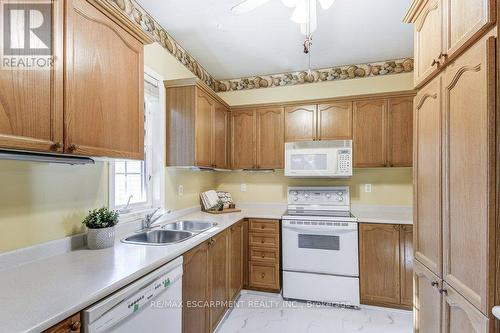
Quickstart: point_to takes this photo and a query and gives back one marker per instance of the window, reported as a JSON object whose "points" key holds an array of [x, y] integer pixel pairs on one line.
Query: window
{"points": [[136, 186]]}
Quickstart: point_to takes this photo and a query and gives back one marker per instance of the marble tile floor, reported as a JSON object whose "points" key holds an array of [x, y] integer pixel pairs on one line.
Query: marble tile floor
{"points": [[256, 312]]}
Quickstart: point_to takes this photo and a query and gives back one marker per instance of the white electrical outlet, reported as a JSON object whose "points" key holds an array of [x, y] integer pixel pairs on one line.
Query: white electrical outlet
{"points": [[180, 190], [243, 187], [368, 188]]}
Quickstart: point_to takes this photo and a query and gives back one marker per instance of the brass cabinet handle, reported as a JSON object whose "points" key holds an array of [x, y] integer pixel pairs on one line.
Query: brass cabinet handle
{"points": [[434, 283], [443, 291], [75, 326], [56, 145], [434, 62], [72, 147], [442, 55], [397, 227], [263, 275]]}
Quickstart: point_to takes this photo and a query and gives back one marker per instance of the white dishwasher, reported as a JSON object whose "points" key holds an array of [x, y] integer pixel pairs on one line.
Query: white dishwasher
{"points": [[151, 304]]}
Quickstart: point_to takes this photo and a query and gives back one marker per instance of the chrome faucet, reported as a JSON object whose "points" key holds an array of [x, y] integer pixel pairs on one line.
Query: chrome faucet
{"points": [[148, 220]]}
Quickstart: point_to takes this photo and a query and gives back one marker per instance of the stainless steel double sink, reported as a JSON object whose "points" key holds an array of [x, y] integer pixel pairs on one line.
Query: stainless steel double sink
{"points": [[170, 233]]}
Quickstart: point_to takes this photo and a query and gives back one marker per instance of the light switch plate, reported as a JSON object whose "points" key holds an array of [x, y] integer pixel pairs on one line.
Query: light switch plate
{"points": [[180, 190], [243, 187], [368, 188]]}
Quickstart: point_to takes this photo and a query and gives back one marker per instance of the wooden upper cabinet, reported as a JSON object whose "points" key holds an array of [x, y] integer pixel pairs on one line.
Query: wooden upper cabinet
{"points": [[427, 307], [104, 102], [221, 133], [270, 138], [427, 176], [461, 316], [400, 131], [197, 125], [379, 254], [464, 20], [469, 199], [335, 121], [369, 133], [195, 319], [243, 139], [31, 101], [428, 40], [205, 107], [300, 123]]}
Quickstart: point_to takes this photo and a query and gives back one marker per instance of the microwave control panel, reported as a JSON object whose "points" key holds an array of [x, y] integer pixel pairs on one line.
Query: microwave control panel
{"points": [[344, 161]]}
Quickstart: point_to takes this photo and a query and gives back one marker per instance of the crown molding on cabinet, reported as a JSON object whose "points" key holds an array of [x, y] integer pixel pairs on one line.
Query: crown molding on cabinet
{"points": [[413, 11]]}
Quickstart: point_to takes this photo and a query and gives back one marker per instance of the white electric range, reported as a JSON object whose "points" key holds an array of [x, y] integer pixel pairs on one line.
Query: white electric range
{"points": [[320, 246]]}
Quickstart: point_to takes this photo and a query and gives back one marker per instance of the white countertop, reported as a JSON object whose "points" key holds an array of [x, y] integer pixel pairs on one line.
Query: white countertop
{"points": [[39, 294], [383, 214]]}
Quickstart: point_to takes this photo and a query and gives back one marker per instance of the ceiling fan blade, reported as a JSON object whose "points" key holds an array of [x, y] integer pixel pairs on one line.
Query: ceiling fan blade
{"points": [[247, 6]]}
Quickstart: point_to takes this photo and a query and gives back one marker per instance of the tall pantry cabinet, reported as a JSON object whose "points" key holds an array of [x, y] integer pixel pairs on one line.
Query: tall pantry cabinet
{"points": [[455, 166]]}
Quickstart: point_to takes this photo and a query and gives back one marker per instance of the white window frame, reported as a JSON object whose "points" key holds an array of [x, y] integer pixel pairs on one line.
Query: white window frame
{"points": [[155, 150]]}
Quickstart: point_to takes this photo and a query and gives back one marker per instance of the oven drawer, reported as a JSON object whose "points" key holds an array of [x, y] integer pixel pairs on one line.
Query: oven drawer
{"points": [[264, 275], [269, 226], [258, 239], [270, 255]]}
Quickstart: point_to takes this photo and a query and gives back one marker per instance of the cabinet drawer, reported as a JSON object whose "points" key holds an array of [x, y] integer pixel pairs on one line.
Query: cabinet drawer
{"points": [[264, 254], [71, 324], [257, 239], [271, 226], [264, 275]]}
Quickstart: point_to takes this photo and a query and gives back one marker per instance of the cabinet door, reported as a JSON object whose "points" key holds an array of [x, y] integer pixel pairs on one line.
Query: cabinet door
{"points": [[427, 309], [406, 264], [205, 107], [221, 129], [236, 260], [218, 277], [428, 40], [300, 123], [335, 121], [245, 253], [104, 86], [270, 138], [369, 133], [469, 216], [379, 264], [243, 130], [460, 316], [400, 131], [427, 176], [31, 100], [465, 19], [195, 319]]}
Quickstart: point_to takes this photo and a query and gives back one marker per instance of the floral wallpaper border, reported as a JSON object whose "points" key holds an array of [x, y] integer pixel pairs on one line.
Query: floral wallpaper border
{"points": [[326, 74], [140, 17]]}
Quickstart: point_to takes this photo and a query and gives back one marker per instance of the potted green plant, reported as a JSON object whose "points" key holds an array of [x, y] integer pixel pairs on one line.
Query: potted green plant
{"points": [[101, 228]]}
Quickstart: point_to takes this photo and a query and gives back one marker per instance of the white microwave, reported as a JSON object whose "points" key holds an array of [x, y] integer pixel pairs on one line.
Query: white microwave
{"points": [[318, 159]]}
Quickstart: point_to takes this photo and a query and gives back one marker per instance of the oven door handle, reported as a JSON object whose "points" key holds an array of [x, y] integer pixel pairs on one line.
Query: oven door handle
{"points": [[322, 229]]}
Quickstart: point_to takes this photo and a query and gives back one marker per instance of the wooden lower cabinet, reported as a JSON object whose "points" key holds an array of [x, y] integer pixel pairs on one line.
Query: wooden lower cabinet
{"points": [[263, 255], [70, 325], [386, 263], [195, 318], [427, 309], [213, 276]]}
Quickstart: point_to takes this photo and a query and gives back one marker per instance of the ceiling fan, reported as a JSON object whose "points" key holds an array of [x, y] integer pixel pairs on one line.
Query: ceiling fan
{"points": [[304, 13]]}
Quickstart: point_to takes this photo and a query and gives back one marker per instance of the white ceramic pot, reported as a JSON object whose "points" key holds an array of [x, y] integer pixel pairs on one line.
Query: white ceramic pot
{"points": [[100, 238]]}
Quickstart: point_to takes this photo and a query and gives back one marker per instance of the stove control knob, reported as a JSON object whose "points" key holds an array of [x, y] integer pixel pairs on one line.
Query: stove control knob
{"points": [[340, 199], [295, 198], [306, 195], [340, 194], [328, 195], [294, 192]]}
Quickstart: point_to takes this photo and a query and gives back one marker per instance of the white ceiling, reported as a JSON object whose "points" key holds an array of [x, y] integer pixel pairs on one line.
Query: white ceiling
{"points": [[265, 41]]}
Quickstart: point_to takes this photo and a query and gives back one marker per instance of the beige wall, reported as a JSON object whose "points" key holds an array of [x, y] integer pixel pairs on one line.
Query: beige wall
{"points": [[390, 186], [329, 89]]}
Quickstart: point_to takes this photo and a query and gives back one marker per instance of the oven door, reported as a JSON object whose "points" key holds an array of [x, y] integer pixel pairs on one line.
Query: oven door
{"points": [[321, 247]]}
